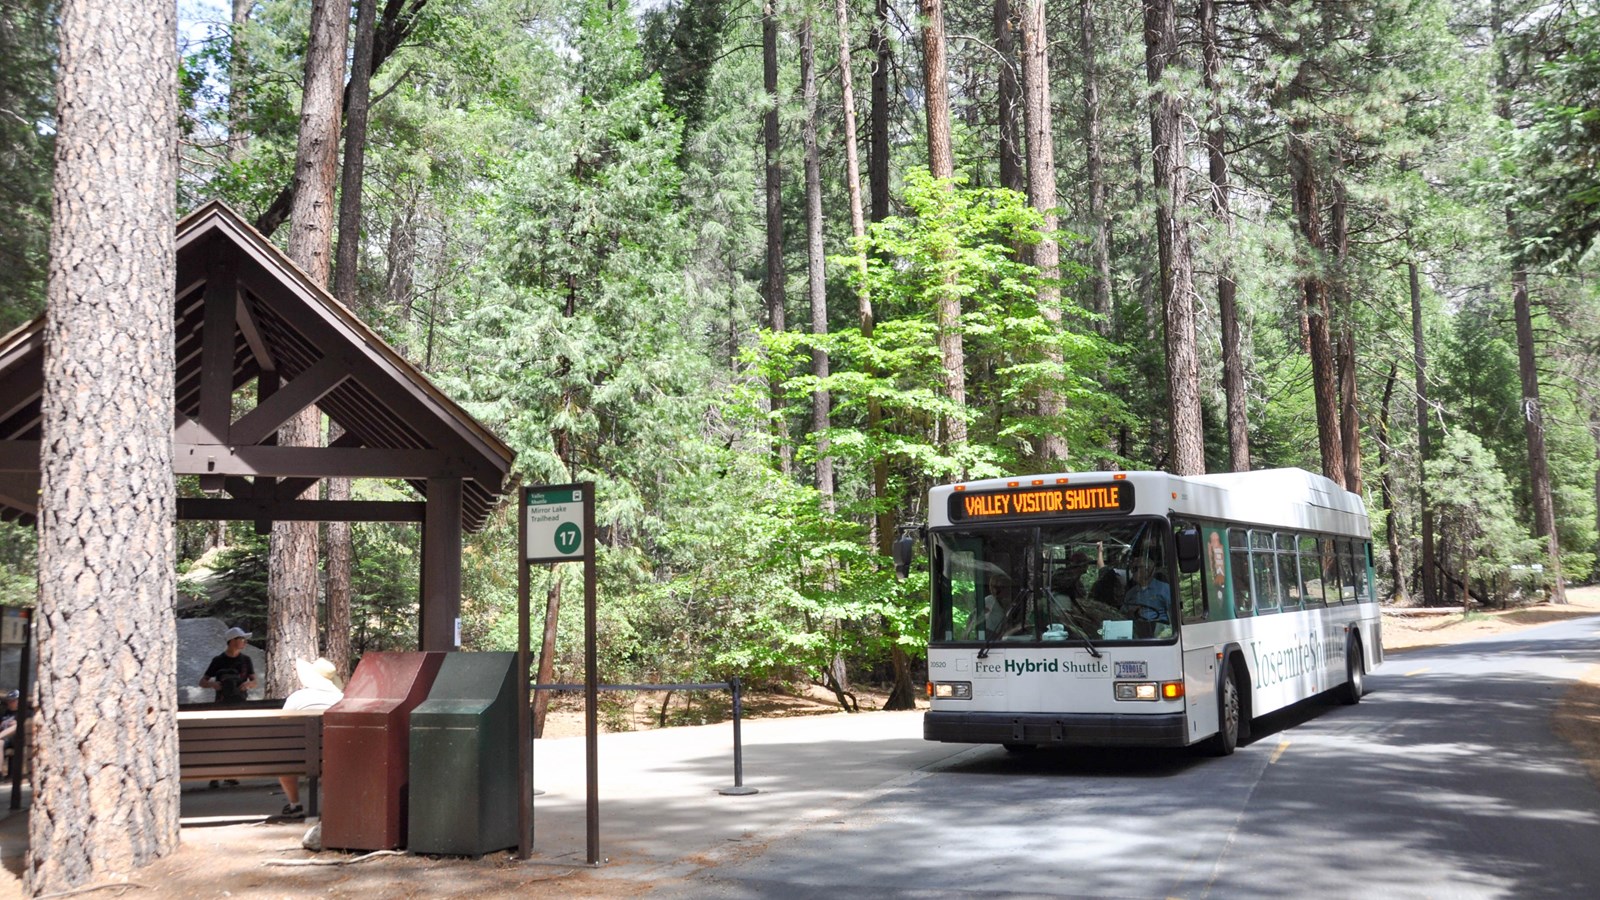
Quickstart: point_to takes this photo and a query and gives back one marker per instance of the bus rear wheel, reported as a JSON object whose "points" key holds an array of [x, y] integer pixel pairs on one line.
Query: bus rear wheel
{"points": [[1355, 674], [1227, 737]]}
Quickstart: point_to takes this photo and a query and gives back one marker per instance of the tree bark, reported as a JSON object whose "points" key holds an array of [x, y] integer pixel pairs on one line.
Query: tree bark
{"points": [[1430, 589], [399, 20], [292, 559], [1544, 515], [238, 136], [816, 276], [1012, 175], [340, 563], [1094, 170], [105, 757], [1391, 528], [1233, 384], [1169, 174], [878, 161], [1314, 287], [941, 163], [337, 637], [903, 694], [1052, 452], [1349, 412], [547, 652], [774, 170]]}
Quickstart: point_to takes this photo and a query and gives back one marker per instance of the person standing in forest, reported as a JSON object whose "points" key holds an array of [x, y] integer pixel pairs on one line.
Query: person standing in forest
{"points": [[231, 673]]}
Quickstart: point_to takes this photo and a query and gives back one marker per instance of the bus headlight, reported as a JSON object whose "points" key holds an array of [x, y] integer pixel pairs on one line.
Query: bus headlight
{"points": [[952, 690], [1148, 690], [1136, 690]]}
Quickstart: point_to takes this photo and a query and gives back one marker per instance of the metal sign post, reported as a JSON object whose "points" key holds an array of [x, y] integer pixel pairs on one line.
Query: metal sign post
{"points": [[556, 525]]}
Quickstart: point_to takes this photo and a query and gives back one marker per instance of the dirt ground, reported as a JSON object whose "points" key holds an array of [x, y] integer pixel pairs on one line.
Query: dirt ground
{"points": [[228, 861]]}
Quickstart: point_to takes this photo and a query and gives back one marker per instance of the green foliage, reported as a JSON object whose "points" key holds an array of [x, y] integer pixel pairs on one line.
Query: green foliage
{"points": [[1478, 532], [19, 584], [27, 129], [961, 241]]}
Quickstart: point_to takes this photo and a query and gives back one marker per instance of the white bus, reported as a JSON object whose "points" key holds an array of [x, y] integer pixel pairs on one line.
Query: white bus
{"points": [[1141, 608]]}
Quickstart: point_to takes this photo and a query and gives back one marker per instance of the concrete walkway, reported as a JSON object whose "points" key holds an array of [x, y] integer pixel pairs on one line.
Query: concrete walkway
{"points": [[661, 815]]}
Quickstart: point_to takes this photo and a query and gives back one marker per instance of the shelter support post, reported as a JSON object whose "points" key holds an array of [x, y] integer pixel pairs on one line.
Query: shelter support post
{"points": [[441, 566]]}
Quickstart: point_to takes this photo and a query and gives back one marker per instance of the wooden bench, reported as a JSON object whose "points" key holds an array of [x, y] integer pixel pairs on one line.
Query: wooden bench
{"points": [[251, 743]]}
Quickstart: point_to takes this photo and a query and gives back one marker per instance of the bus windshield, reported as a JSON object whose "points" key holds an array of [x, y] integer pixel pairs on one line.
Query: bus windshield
{"points": [[1105, 581]]}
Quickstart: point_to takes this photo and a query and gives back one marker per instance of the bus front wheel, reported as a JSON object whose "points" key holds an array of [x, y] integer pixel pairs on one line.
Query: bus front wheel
{"points": [[1355, 674], [1227, 737]]}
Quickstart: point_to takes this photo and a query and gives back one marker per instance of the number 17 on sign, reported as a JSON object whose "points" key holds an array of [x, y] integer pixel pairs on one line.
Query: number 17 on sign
{"points": [[555, 524]]}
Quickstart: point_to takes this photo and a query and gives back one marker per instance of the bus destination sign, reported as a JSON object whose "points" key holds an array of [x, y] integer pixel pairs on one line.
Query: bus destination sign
{"points": [[1054, 500]]}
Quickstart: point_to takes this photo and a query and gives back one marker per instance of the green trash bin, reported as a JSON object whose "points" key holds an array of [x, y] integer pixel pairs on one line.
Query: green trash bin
{"points": [[464, 758]]}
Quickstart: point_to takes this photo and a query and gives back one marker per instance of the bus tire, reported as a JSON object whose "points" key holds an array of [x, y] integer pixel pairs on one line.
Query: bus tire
{"points": [[1355, 673], [1228, 710]]}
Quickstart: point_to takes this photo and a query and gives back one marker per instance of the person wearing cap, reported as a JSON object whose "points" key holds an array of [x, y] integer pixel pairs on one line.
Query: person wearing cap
{"points": [[231, 673], [320, 688], [8, 727]]}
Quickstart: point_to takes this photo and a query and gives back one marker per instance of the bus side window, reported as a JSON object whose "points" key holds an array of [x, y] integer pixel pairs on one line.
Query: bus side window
{"points": [[1194, 600], [1310, 572], [1331, 583], [1352, 569], [1265, 568], [1288, 574], [1239, 556]]}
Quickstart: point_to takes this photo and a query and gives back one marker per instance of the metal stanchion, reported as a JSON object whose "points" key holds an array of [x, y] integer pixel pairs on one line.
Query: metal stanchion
{"points": [[739, 788]]}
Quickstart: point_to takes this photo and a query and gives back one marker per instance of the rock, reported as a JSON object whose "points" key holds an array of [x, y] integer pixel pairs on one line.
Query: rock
{"points": [[313, 839], [198, 641]]}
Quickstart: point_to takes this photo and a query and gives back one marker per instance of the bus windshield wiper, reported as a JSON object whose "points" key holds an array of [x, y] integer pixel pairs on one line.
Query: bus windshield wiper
{"points": [[1093, 650]]}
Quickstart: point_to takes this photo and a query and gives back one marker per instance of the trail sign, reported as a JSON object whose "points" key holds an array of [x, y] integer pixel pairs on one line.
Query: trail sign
{"points": [[555, 524]]}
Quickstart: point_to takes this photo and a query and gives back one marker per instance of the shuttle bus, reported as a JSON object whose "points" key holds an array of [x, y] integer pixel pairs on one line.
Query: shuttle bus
{"points": [[1141, 608]]}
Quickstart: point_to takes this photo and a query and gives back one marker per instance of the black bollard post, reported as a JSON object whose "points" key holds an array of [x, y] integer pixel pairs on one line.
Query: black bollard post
{"points": [[738, 788]]}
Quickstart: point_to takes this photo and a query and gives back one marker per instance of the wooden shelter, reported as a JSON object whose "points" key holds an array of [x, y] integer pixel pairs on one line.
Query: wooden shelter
{"points": [[245, 314]]}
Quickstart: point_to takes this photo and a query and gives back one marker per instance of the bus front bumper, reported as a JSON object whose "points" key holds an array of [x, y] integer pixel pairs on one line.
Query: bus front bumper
{"points": [[1059, 729]]}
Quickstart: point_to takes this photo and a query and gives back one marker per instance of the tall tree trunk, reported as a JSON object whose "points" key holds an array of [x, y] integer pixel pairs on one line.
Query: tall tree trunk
{"points": [[292, 560], [1319, 344], [1012, 175], [878, 160], [1169, 173], [1544, 515], [105, 756], [547, 655], [1094, 170], [346, 281], [941, 163], [903, 694], [1052, 452], [395, 26], [1233, 385], [1419, 356], [1391, 528], [816, 277], [1349, 413], [238, 135], [883, 517], [775, 274]]}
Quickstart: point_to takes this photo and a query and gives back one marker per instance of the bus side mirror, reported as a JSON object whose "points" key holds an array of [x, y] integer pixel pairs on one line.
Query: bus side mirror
{"points": [[904, 546], [1189, 550]]}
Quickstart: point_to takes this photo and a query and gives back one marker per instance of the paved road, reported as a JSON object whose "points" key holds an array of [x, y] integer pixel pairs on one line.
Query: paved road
{"points": [[1446, 782]]}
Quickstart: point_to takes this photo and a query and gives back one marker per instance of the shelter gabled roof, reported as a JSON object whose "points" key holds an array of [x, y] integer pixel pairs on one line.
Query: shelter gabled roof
{"points": [[300, 346]]}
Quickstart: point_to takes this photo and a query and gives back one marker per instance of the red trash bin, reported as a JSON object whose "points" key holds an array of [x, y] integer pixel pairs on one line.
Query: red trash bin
{"points": [[366, 750]]}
